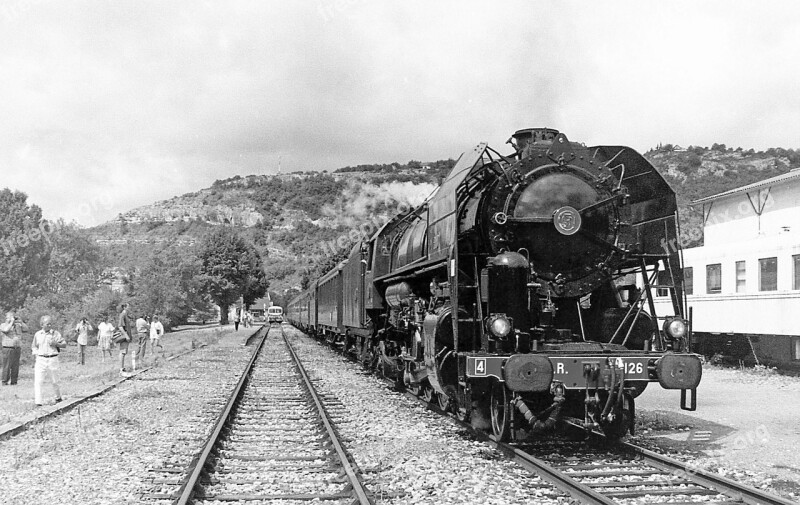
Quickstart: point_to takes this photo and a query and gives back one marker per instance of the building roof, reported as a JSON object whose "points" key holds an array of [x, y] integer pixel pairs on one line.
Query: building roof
{"points": [[793, 174]]}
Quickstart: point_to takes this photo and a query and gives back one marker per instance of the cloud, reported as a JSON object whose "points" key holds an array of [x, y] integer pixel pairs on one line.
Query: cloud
{"points": [[145, 100]]}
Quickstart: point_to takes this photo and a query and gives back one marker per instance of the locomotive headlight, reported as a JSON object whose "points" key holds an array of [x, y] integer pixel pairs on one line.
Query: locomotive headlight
{"points": [[675, 328], [499, 325]]}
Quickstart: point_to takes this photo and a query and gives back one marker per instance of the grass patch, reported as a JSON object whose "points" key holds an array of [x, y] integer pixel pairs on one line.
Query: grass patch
{"points": [[119, 419], [142, 394]]}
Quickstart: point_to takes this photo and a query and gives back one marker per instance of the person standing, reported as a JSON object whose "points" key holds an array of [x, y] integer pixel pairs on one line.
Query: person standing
{"points": [[236, 321], [83, 330], [156, 330], [46, 345], [104, 332], [126, 326], [11, 329], [143, 334]]}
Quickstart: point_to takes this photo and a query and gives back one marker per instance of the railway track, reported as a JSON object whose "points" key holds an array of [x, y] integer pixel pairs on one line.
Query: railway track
{"points": [[602, 472], [624, 473], [273, 440], [615, 473]]}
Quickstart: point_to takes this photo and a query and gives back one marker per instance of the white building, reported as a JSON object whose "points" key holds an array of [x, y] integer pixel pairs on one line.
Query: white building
{"points": [[743, 284]]}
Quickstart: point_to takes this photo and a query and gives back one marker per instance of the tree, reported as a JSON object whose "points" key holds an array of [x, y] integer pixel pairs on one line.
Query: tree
{"points": [[231, 267], [71, 286], [25, 248], [76, 262], [168, 283]]}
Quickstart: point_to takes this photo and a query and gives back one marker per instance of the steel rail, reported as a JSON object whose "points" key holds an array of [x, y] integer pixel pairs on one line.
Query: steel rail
{"points": [[695, 475], [718, 483], [198, 463], [559, 479], [587, 494], [355, 482]]}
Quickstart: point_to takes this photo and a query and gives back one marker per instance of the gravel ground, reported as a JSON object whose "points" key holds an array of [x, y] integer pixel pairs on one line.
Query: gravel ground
{"points": [[106, 449], [409, 454], [746, 423]]}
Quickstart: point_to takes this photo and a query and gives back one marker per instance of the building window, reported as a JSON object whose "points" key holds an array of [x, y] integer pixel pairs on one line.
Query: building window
{"points": [[796, 262], [796, 349], [688, 280], [664, 279], [741, 281], [714, 278], [768, 274]]}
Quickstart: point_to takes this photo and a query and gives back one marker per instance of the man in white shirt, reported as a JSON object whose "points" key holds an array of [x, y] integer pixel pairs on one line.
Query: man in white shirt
{"points": [[46, 345], [156, 330], [142, 331]]}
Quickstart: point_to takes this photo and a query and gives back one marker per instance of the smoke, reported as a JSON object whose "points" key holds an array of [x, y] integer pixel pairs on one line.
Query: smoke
{"points": [[360, 202]]}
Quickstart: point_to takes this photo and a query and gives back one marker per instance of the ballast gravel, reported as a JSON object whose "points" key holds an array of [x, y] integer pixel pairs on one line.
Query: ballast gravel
{"points": [[407, 453]]}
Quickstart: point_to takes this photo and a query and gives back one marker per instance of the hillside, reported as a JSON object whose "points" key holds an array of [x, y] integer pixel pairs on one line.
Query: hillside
{"points": [[305, 221], [300, 222], [698, 172]]}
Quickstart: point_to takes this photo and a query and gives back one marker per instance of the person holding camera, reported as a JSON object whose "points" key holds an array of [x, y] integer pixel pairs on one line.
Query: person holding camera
{"points": [[46, 345], [11, 330], [82, 331]]}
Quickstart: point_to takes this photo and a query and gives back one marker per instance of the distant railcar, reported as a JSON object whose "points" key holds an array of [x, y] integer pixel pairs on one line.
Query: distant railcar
{"points": [[274, 314]]}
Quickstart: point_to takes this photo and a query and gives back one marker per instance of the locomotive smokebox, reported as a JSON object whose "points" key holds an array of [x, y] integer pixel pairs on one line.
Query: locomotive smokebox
{"points": [[505, 287]]}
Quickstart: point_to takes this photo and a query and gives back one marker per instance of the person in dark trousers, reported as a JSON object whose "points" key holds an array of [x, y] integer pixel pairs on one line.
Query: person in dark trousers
{"points": [[12, 347], [142, 336], [83, 330], [126, 326], [236, 321]]}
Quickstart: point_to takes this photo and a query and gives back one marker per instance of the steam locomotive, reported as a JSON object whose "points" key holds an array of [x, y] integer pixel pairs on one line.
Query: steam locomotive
{"points": [[519, 294]]}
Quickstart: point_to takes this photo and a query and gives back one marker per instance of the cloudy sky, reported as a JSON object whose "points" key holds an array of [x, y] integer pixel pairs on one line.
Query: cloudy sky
{"points": [[108, 105]]}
